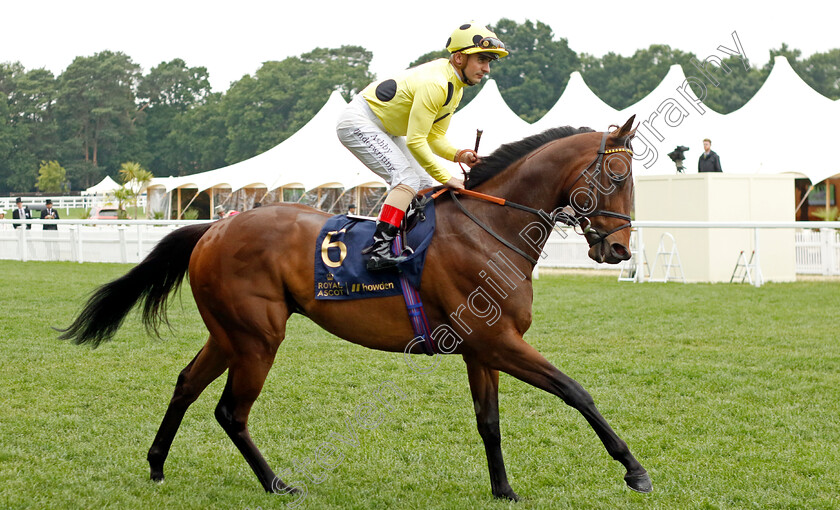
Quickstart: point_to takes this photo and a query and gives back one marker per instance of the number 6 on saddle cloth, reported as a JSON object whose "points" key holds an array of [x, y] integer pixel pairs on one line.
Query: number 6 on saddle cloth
{"points": [[340, 271]]}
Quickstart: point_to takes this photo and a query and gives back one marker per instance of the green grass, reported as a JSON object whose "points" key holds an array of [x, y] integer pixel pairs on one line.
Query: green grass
{"points": [[729, 395]]}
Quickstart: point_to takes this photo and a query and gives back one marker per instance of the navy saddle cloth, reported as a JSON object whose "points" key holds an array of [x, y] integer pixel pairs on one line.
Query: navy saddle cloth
{"points": [[340, 271]]}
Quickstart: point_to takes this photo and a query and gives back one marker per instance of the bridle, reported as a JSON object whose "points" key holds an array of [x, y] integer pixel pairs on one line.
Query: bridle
{"points": [[557, 216], [587, 229]]}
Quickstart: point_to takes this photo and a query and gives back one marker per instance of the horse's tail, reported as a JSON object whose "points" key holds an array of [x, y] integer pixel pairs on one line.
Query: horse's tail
{"points": [[151, 282]]}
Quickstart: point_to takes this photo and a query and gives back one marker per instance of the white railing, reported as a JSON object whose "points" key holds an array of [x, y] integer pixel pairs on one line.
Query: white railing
{"points": [[817, 243], [818, 252], [84, 240], [81, 202]]}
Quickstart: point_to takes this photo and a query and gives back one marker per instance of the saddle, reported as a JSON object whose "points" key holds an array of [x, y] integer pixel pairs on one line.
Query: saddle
{"points": [[340, 271]]}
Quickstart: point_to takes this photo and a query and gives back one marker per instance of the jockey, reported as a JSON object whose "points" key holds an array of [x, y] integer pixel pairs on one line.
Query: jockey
{"points": [[396, 127]]}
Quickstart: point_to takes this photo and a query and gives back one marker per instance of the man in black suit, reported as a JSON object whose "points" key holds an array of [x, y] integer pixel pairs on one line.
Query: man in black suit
{"points": [[21, 213], [49, 214]]}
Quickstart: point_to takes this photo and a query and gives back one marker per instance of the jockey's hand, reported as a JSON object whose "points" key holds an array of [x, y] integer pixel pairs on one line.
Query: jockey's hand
{"points": [[467, 157], [454, 183]]}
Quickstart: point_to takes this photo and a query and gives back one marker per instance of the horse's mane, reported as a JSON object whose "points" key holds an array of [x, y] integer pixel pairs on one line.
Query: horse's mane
{"points": [[508, 153]]}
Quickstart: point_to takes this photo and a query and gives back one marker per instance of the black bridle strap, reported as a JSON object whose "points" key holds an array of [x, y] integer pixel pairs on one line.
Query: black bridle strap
{"points": [[490, 231], [609, 214]]}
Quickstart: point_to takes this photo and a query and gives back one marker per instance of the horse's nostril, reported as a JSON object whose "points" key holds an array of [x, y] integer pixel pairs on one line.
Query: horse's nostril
{"points": [[620, 251]]}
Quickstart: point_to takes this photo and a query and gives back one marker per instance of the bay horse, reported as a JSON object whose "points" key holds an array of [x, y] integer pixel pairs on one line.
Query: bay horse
{"points": [[251, 272]]}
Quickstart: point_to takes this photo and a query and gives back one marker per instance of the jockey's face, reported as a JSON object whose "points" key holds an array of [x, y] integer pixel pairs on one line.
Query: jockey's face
{"points": [[477, 66]]}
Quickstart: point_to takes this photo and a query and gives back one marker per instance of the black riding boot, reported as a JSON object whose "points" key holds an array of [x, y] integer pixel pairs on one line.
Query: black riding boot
{"points": [[381, 257]]}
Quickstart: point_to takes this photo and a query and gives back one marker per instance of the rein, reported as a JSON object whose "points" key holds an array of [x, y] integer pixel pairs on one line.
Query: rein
{"points": [[495, 200], [561, 216]]}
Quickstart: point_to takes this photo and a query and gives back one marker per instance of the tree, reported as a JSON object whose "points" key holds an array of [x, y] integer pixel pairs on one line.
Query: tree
{"points": [[27, 126], [135, 178], [197, 139], [51, 177], [822, 72], [734, 88], [96, 107], [263, 110], [537, 70], [622, 81], [13, 163], [169, 90]]}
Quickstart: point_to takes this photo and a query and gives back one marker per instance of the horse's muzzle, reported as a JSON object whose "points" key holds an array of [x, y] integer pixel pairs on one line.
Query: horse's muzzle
{"points": [[609, 253]]}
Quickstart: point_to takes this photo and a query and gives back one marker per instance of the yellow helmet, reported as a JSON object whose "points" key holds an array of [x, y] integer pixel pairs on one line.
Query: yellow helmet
{"points": [[473, 38]]}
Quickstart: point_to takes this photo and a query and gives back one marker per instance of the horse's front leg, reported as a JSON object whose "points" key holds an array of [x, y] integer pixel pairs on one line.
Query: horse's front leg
{"points": [[484, 385], [522, 361]]}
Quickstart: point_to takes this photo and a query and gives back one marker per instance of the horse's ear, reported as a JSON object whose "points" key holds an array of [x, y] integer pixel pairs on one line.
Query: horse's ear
{"points": [[627, 129]]}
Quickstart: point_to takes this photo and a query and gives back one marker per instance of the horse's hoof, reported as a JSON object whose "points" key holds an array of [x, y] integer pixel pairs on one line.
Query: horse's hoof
{"points": [[506, 494], [279, 487], [639, 483], [281, 491], [156, 476]]}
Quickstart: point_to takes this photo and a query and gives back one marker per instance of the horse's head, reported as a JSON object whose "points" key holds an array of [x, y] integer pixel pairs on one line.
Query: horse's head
{"points": [[594, 179], [601, 195]]}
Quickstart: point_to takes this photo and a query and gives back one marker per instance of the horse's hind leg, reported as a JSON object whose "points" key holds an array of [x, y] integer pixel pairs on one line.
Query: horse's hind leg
{"points": [[524, 362], [207, 365], [484, 385], [245, 381]]}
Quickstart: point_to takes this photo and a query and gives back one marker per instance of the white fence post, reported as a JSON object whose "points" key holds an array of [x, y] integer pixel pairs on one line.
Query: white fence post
{"points": [[123, 247], [22, 244], [74, 252], [81, 253], [139, 243], [757, 260], [641, 260], [828, 247]]}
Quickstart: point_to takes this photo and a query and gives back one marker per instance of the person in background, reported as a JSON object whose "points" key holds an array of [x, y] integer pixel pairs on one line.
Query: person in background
{"points": [[49, 214], [4, 226], [709, 160], [351, 209], [21, 212], [221, 213]]}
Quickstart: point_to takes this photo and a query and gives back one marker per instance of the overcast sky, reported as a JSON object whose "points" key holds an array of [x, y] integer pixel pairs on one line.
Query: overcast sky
{"points": [[232, 39]]}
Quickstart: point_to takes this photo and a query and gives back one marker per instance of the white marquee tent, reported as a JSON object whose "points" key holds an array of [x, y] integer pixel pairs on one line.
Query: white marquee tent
{"points": [[578, 106], [668, 117], [310, 158], [785, 127], [106, 186]]}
